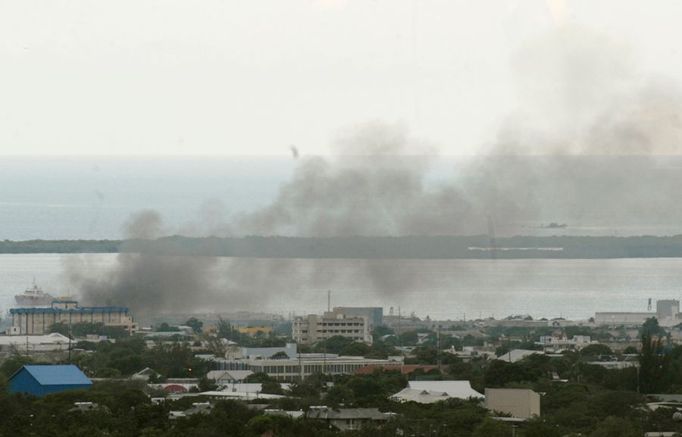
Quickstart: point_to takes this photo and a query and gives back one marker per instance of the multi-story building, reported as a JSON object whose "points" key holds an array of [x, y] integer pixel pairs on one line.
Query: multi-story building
{"points": [[37, 321], [313, 328]]}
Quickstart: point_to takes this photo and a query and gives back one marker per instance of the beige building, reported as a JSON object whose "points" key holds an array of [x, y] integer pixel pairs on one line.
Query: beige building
{"points": [[37, 321], [519, 402], [313, 328]]}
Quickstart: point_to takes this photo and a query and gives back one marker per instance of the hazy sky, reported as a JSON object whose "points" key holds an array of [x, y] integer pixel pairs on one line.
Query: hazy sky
{"points": [[252, 77]]}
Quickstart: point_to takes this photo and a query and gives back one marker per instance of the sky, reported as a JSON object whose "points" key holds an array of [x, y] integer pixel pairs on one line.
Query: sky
{"points": [[179, 77]]}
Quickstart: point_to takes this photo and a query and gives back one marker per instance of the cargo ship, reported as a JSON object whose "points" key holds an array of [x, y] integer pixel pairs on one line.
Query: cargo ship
{"points": [[34, 297]]}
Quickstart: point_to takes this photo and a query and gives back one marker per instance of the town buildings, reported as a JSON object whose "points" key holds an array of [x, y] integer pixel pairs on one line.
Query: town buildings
{"points": [[39, 320]]}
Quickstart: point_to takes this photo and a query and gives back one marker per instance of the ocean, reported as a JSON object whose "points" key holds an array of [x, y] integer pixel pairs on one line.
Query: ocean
{"points": [[444, 289]]}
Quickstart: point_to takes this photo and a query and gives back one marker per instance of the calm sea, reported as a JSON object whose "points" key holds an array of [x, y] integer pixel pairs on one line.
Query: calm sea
{"points": [[442, 288]]}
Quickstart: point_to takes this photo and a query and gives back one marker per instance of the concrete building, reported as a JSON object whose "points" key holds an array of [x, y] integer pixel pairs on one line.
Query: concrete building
{"points": [[313, 328], [667, 309], [40, 380], [519, 402], [37, 321], [374, 315]]}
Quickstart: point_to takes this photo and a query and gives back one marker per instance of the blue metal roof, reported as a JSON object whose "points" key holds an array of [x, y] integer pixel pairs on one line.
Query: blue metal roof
{"points": [[86, 310], [57, 374]]}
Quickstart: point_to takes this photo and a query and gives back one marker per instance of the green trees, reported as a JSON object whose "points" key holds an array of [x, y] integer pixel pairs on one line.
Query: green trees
{"points": [[651, 328], [654, 375], [492, 428], [616, 427], [594, 350]]}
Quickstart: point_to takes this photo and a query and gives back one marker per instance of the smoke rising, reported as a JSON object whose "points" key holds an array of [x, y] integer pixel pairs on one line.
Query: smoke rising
{"points": [[148, 283], [587, 146]]}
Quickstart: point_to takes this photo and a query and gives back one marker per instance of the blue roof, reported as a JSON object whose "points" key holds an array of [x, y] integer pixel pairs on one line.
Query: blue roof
{"points": [[57, 374]]}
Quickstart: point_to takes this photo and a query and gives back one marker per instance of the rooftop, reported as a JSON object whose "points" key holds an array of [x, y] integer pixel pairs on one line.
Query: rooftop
{"points": [[56, 374]]}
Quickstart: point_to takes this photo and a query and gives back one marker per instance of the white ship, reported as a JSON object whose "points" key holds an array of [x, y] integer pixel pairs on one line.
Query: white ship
{"points": [[34, 297]]}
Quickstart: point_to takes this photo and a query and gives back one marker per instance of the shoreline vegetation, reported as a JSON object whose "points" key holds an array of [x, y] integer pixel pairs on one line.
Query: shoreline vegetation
{"points": [[359, 247]]}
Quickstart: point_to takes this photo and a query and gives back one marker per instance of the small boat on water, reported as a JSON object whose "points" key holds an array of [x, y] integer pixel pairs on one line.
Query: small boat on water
{"points": [[34, 297]]}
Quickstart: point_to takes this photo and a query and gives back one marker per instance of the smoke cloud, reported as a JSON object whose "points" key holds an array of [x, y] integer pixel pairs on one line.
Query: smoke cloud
{"points": [[589, 146], [147, 283]]}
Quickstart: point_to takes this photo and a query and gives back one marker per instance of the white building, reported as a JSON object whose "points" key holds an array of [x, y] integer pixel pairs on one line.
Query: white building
{"points": [[313, 328], [429, 392]]}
